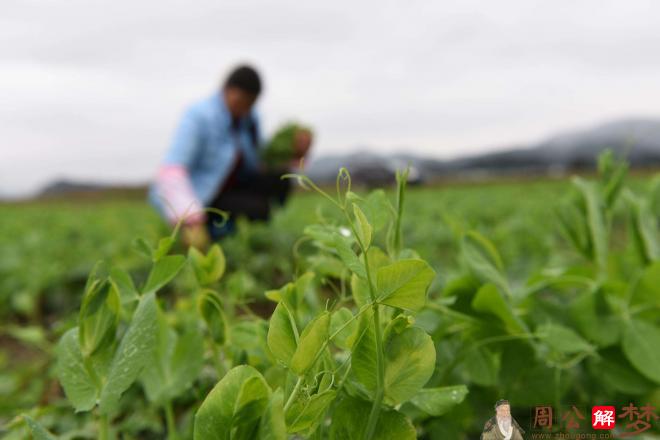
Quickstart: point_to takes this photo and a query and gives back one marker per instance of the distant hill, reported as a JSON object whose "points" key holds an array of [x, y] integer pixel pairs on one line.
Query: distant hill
{"points": [[86, 190], [636, 139]]}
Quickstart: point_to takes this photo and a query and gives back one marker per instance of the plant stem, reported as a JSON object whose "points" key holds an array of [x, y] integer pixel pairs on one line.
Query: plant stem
{"points": [[171, 423], [104, 428], [380, 364], [294, 393]]}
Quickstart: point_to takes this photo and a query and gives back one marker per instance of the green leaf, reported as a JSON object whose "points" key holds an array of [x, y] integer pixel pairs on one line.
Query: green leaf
{"points": [[595, 220], [163, 248], [142, 247], [640, 345], [591, 314], [37, 430], [338, 241], [483, 260], [349, 422], [310, 343], [562, 339], [364, 229], [409, 360], [175, 365], [489, 300], [409, 364], [439, 401], [272, 425], [98, 317], [78, 385], [404, 284], [612, 368], [238, 401], [644, 226], [162, 272], [646, 291], [127, 290], [343, 319], [482, 366], [210, 307], [282, 334], [134, 351], [208, 268], [308, 413], [359, 287]]}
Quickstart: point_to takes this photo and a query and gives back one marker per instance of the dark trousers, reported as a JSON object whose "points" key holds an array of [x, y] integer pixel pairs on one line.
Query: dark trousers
{"points": [[249, 195]]}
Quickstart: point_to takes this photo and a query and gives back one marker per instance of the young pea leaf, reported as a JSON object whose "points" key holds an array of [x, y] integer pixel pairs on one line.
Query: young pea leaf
{"points": [[409, 360], [439, 401], [98, 317], [208, 268], [482, 366], [595, 220], [237, 401], [37, 430], [305, 415], [175, 365], [210, 307], [644, 228], [377, 259], [127, 290], [409, 364], [364, 229], [162, 272], [163, 248], [591, 313], [79, 387], [272, 425], [343, 319], [363, 357], [134, 351], [483, 260], [647, 291], [614, 371], [562, 339], [489, 300], [142, 247], [640, 345], [310, 343], [348, 256], [349, 422], [282, 334], [404, 283]]}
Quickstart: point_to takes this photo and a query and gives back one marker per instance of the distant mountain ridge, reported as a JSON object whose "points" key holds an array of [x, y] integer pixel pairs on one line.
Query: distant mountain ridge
{"points": [[637, 139]]}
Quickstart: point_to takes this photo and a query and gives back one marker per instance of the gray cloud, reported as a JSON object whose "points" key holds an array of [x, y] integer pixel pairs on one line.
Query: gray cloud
{"points": [[93, 89]]}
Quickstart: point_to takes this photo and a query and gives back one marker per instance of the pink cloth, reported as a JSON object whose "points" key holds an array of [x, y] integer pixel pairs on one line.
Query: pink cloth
{"points": [[179, 200]]}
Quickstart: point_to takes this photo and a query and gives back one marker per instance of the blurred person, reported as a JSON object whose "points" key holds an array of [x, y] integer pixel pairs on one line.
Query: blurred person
{"points": [[502, 426], [214, 161]]}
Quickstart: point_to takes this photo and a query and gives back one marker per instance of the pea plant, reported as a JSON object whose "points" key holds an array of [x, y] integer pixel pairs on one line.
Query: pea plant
{"points": [[338, 358], [345, 368]]}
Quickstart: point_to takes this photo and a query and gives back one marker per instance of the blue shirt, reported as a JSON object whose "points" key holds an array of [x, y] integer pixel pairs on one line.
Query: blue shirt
{"points": [[207, 146]]}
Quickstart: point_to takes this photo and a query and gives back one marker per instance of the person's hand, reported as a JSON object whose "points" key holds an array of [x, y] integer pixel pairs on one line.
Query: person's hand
{"points": [[301, 145], [196, 236]]}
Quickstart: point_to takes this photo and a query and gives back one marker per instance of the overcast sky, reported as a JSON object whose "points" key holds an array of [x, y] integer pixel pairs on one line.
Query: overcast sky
{"points": [[93, 89]]}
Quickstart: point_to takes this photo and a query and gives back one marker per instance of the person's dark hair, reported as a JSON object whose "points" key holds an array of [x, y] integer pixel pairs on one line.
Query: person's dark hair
{"points": [[501, 402], [244, 78]]}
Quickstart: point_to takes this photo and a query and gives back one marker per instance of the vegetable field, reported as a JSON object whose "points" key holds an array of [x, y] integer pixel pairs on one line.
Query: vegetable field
{"points": [[400, 313]]}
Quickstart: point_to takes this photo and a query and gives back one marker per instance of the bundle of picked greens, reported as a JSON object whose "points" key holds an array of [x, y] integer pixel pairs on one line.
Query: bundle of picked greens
{"points": [[281, 148]]}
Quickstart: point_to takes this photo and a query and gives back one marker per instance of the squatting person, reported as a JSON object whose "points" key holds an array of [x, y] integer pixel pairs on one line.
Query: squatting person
{"points": [[214, 161]]}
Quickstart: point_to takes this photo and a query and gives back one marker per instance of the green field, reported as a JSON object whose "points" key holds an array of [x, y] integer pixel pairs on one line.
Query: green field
{"points": [[542, 292]]}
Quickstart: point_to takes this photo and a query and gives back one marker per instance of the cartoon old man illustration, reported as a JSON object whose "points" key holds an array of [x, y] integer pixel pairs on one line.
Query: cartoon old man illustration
{"points": [[502, 426]]}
